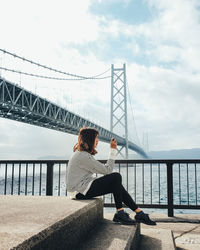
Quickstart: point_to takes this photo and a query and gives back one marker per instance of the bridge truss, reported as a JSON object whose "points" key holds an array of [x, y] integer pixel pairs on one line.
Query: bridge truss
{"points": [[21, 105]]}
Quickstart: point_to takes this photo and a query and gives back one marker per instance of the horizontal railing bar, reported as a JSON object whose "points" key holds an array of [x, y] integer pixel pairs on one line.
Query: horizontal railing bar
{"points": [[140, 205], [186, 206], [158, 161], [158, 206], [33, 161], [174, 161]]}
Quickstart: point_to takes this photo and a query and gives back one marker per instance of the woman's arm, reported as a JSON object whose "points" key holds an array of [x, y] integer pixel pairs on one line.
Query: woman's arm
{"points": [[95, 166]]}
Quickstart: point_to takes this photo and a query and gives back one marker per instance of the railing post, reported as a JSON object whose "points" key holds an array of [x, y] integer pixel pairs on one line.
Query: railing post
{"points": [[49, 182], [170, 189]]}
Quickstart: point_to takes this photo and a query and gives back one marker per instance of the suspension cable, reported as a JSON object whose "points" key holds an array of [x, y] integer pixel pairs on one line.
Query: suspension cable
{"points": [[102, 74], [46, 77], [55, 70], [133, 114]]}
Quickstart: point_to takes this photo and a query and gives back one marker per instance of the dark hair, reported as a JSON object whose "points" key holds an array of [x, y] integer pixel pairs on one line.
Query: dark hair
{"points": [[86, 139]]}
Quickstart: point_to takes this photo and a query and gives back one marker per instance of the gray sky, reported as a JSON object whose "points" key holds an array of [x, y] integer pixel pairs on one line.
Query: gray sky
{"points": [[157, 39]]}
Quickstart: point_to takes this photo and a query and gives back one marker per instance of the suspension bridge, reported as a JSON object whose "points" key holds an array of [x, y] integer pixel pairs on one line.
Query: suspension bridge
{"points": [[19, 104]]}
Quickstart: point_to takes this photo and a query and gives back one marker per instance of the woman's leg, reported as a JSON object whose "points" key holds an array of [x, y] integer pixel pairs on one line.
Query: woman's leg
{"points": [[106, 184], [128, 201], [112, 183], [102, 186]]}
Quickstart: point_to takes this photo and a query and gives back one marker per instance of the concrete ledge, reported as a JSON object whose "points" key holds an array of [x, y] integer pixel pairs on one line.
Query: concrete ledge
{"points": [[152, 239], [110, 235], [178, 218], [32, 222]]}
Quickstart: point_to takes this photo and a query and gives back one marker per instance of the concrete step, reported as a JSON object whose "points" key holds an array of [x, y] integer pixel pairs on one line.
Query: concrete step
{"points": [[156, 239], [112, 236], [32, 222]]}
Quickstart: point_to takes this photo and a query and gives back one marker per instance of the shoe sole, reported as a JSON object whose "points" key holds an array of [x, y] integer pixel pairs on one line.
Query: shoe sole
{"points": [[123, 222]]}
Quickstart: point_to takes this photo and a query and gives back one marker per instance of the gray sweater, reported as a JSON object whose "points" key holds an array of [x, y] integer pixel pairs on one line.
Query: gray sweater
{"points": [[81, 168]]}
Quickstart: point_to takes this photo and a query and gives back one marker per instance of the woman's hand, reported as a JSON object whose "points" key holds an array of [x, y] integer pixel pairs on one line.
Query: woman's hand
{"points": [[113, 143]]}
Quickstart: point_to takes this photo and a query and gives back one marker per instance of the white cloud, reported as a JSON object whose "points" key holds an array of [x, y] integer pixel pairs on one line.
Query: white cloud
{"points": [[47, 22], [176, 25], [167, 102], [42, 31], [166, 98], [163, 99], [171, 35], [126, 2]]}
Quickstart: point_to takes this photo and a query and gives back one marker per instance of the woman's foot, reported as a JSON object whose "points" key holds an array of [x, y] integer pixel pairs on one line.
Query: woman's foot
{"points": [[123, 218], [144, 218]]}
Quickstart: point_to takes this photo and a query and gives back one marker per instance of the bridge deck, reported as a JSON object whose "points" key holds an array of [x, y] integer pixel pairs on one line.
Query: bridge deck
{"points": [[21, 105]]}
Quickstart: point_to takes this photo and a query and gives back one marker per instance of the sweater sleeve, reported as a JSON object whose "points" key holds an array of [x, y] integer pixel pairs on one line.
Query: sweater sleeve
{"points": [[112, 154], [95, 166]]}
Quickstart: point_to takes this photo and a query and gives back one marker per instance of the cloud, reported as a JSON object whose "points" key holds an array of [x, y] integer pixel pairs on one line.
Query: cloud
{"points": [[27, 142], [126, 2], [162, 55], [43, 33], [170, 35], [165, 100], [175, 29], [167, 72], [44, 21]]}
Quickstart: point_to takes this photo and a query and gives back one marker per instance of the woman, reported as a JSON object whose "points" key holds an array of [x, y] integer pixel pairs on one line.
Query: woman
{"points": [[83, 185]]}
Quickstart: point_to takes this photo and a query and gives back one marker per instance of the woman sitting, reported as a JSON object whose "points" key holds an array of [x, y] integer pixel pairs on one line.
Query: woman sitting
{"points": [[81, 182]]}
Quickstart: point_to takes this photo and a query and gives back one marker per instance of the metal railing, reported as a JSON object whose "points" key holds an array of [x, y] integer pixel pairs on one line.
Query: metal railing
{"points": [[168, 184]]}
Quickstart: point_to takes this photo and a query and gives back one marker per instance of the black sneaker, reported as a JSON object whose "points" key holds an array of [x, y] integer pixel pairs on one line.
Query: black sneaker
{"points": [[144, 218], [123, 218]]}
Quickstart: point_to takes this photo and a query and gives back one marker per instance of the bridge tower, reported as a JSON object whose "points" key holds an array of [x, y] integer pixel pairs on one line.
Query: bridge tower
{"points": [[118, 118]]}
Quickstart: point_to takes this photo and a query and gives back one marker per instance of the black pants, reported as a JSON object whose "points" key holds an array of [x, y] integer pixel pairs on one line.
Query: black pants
{"points": [[110, 183]]}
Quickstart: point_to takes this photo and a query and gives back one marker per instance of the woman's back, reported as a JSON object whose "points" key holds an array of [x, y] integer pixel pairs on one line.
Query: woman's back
{"points": [[81, 167]]}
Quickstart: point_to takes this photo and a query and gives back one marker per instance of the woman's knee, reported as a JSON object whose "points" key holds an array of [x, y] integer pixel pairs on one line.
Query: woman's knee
{"points": [[117, 177]]}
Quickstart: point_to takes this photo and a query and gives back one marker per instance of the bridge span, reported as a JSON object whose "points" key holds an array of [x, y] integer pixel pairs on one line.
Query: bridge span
{"points": [[21, 105]]}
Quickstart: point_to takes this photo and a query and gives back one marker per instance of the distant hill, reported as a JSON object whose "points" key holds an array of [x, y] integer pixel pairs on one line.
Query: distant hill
{"points": [[193, 153], [53, 157]]}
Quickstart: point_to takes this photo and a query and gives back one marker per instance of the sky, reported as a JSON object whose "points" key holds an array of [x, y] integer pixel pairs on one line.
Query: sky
{"points": [[157, 39]]}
